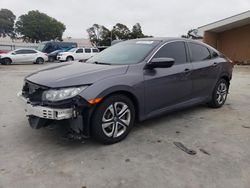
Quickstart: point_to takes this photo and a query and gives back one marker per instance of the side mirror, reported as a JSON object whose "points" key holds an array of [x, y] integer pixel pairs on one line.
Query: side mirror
{"points": [[160, 63], [13, 53]]}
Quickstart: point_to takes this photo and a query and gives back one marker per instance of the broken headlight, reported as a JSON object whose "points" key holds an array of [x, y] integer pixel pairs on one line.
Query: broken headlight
{"points": [[62, 94]]}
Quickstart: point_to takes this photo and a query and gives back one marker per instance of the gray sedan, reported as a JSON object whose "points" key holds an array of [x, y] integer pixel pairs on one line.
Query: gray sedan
{"points": [[132, 80]]}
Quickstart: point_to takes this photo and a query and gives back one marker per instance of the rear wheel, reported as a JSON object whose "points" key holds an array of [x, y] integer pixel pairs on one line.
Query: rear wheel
{"points": [[6, 61], [219, 95], [113, 119], [39, 60]]}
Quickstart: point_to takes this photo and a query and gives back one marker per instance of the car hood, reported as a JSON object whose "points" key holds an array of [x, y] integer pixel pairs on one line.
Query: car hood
{"points": [[74, 74], [65, 53]]}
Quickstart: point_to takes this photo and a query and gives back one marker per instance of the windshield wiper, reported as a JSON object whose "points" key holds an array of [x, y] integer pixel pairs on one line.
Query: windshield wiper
{"points": [[101, 63]]}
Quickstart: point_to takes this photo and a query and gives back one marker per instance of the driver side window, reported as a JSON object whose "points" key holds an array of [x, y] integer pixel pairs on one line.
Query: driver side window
{"points": [[79, 50], [175, 50]]}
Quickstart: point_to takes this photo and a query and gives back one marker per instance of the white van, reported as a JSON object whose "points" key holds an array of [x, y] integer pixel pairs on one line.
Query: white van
{"points": [[77, 54]]}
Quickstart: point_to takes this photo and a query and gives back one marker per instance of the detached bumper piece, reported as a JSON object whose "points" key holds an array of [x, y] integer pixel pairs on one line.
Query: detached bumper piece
{"points": [[72, 115], [46, 112]]}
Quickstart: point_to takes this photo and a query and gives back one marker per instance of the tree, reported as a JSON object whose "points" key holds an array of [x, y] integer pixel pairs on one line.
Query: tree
{"points": [[99, 35], [137, 32], [7, 20], [121, 32], [192, 33], [36, 27]]}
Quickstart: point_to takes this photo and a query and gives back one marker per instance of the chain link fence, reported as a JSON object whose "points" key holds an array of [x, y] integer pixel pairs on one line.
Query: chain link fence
{"points": [[10, 47]]}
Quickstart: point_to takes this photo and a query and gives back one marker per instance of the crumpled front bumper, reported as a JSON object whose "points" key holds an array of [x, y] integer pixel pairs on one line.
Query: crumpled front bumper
{"points": [[45, 112]]}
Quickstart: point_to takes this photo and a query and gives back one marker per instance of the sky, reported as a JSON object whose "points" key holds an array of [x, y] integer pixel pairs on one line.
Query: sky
{"points": [[160, 18]]}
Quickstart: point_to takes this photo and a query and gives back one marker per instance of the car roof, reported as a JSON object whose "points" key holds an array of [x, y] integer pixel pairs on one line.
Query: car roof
{"points": [[169, 39], [25, 49], [165, 39]]}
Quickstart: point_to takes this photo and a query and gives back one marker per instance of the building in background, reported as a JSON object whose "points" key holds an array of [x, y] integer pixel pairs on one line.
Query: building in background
{"points": [[231, 36]]}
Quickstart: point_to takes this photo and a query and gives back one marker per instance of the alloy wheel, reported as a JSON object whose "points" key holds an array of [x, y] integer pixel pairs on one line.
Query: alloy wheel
{"points": [[116, 119], [221, 93]]}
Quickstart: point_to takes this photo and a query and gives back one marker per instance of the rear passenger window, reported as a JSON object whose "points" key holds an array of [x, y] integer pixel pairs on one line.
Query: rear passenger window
{"points": [[214, 54], [30, 51], [175, 50], [87, 50], [95, 50], [199, 52], [79, 51]]}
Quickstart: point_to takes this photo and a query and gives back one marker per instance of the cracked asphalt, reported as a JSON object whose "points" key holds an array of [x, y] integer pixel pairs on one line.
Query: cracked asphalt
{"points": [[146, 158]]}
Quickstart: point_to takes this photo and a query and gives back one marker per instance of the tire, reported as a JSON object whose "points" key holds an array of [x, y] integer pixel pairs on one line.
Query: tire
{"points": [[69, 58], [39, 60], [51, 59], [107, 126], [219, 95], [6, 61]]}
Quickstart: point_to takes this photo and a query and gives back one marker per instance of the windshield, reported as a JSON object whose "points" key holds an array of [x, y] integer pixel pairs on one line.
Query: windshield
{"points": [[71, 50], [41, 47], [129, 52]]}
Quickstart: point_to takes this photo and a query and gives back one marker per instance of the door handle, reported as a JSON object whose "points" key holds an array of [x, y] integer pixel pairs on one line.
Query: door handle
{"points": [[186, 70]]}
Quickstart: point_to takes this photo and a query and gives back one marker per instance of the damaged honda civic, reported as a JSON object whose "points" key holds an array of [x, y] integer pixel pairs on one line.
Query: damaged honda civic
{"points": [[131, 81]]}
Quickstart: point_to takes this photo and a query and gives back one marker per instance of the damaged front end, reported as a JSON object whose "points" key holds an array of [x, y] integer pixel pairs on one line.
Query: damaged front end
{"points": [[73, 112]]}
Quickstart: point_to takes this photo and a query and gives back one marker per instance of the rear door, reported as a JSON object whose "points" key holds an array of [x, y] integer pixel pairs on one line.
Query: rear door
{"points": [[165, 87], [30, 55], [205, 70]]}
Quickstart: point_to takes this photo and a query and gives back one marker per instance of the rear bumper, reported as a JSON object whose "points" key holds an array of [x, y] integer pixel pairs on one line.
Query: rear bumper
{"points": [[45, 112]]}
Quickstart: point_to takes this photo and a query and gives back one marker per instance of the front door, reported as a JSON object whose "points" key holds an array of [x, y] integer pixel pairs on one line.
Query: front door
{"points": [[79, 54], [165, 87], [19, 56]]}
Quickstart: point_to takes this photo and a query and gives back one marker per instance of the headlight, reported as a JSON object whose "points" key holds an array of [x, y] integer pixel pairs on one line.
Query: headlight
{"points": [[62, 94]]}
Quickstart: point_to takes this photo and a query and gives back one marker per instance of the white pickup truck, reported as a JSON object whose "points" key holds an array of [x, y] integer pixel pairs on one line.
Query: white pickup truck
{"points": [[77, 54]]}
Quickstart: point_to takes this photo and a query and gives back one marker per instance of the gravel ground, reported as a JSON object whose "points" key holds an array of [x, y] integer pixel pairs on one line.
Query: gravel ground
{"points": [[147, 158]]}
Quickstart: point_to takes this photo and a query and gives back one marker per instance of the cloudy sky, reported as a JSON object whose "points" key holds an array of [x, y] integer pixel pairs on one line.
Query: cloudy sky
{"points": [[157, 17]]}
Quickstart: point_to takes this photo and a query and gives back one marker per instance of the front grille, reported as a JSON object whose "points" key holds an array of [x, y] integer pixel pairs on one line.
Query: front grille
{"points": [[33, 91]]}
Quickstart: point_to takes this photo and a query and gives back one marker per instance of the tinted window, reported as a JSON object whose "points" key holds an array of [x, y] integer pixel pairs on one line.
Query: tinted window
{"points": [[30, 52], [95, 50], [20, 52], [175, 50], [79, 51], [87, 50], [213, 54], [128, 52], [199, 52]]}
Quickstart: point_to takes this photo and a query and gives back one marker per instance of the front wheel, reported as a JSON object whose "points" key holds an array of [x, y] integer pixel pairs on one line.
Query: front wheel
{"points": [[69, 58], [51, 59], [113, 119], [219, 95], [6, 61]]}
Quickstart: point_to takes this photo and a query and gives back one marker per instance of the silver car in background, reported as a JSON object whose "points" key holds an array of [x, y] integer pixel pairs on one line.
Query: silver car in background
{"points": [[24, 55]]}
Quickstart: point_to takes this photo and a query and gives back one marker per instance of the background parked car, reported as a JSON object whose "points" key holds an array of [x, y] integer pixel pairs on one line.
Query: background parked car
{"points": [[48, 47], [53, 55], [77, 54], [4, 51], [23, 56]]}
